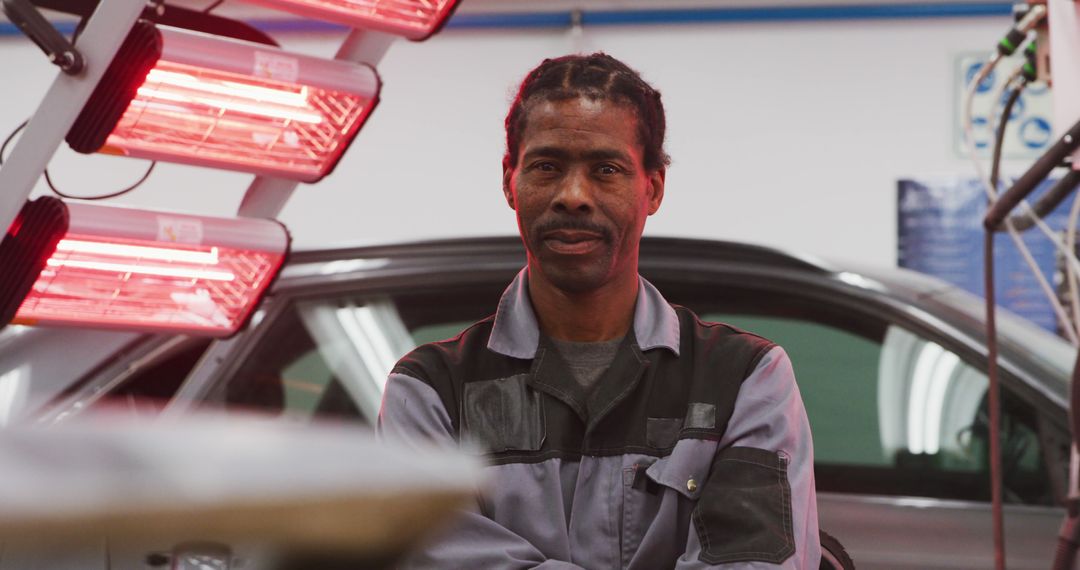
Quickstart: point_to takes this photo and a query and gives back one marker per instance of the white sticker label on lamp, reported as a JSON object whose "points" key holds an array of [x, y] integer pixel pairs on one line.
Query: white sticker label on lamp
{"points": [[179, 230], [277, 67]]}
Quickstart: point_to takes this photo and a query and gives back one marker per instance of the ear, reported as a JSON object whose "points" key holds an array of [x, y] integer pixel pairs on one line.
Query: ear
{"points": [[507, 179], [656, 189]]}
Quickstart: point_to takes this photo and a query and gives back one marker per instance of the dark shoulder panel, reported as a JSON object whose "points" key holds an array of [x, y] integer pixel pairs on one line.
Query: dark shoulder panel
{"points": [[438, 363], [447, 365], [742, 349], [431, 362], [686, 396], [720, 357]]}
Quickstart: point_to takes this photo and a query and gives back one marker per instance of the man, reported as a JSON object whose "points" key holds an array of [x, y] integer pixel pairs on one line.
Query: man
{"points": [[621, 432]]}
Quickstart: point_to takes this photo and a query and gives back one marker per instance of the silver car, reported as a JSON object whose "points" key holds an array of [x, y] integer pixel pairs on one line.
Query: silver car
{"points": [[891, 365]]}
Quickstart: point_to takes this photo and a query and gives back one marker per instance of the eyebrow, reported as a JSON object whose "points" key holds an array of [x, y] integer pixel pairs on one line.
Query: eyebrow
{"points": [[563, 154]]}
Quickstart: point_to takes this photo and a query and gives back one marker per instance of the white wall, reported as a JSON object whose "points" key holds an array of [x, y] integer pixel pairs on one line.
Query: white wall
{"points": [[786, 134]]}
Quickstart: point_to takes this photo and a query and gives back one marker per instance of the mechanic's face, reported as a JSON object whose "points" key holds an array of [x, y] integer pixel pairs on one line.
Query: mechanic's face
{"points": [[581, 191]]}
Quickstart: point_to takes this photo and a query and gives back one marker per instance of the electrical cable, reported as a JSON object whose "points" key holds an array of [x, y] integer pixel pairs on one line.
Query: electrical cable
{"points": [[1071, 279], [11, 135], [991, 334], [1049, 202], [969, 98], [55, 190], [999, 130], [1006, 87], [998, 214], [1046, 203], [994, 399], [1054, 156], [1006, 46], [1052, 198], [48, 179], [1072, 264], [991, 193], [213, 6], [1028, 219], [121, 192], [998, 209]]}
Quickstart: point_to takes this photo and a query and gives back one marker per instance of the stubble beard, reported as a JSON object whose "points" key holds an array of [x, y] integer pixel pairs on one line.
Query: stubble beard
{"points": [[581, 277], [571, 273]]}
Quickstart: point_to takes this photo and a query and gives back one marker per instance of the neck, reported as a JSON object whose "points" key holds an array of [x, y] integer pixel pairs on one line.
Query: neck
{"points": [[605, 313]]}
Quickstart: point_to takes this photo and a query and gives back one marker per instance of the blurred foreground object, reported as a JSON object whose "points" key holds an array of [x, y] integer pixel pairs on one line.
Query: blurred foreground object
{"points": [[300, 495]]}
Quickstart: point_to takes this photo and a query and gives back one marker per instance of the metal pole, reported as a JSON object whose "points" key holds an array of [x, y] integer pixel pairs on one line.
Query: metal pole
{"points": [[98, 44], [267, 196]]}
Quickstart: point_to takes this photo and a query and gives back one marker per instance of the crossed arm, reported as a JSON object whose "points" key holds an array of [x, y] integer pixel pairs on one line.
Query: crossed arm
{"points": [[769, 415]]}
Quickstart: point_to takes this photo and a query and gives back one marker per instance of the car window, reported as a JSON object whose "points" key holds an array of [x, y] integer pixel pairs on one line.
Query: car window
{"points": [[145, 388], [437, 332], [897, 414], [330, 357], [317, 360]]}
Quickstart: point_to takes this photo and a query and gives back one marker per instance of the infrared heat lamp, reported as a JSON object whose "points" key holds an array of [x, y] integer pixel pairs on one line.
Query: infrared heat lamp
{"points": [[95, 266], [188, 97], [413, 19]]}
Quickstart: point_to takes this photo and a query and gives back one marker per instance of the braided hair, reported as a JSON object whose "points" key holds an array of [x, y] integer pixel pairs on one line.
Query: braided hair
{"points": [[596, 76]]}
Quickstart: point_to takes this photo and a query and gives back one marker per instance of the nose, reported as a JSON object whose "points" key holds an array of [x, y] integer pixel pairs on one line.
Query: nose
{"points": [[574, 195]]}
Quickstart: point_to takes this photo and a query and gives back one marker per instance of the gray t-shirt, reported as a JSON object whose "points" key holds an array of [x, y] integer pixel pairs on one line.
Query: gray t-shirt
{"points": [[587, 361]]}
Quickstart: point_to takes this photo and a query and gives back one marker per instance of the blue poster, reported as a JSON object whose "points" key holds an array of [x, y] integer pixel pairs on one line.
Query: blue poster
{"points": [[941, 234]]}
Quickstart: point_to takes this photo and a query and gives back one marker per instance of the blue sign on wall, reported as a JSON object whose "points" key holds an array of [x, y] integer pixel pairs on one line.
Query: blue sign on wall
{"points": [[941, 234]]}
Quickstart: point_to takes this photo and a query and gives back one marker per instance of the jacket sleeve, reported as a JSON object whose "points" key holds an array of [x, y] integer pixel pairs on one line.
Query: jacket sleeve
{"points": [[764, 462], [413, 413]]}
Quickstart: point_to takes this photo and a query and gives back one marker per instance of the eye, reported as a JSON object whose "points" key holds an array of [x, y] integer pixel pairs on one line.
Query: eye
{"points": [[544, 166], [608, 169]]}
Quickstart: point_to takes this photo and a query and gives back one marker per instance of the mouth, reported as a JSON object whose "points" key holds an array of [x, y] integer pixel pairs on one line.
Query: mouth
{"points": [[572, 242]]}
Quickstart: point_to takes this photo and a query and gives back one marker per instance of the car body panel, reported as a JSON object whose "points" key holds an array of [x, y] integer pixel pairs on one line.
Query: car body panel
{"points": [[913, 533]]}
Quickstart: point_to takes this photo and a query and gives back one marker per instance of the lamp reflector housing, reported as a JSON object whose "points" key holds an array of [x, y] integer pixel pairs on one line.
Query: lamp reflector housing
{"points": [[413, 19], [187, 97], [155, 271], [24, 249]]}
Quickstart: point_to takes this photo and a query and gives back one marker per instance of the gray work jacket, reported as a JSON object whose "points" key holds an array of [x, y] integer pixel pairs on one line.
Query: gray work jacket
{"points": [[692, 451]]}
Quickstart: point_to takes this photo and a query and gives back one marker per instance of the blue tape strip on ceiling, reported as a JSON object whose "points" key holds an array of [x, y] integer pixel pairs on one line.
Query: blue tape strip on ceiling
{"points": [[662, 17]]}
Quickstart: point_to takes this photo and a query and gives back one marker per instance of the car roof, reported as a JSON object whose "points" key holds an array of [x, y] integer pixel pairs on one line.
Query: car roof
{"points": [[717, 250], [908, 286]]}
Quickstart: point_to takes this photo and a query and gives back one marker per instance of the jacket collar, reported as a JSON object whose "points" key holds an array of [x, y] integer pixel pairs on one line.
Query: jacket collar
{"points": [[516, 332]]}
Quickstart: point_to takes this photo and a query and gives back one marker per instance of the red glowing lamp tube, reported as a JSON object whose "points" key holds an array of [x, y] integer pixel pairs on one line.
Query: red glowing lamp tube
{"points": [[413, 19], [153, 271], [188, 97]]}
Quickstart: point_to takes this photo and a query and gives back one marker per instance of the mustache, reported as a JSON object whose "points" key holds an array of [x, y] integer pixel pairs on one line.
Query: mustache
{"points": [[547, 226]]}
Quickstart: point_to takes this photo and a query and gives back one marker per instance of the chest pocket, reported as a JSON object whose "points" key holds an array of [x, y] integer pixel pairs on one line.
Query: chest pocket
{"points": [[649, 483], [502, 415], [745, 513]]}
